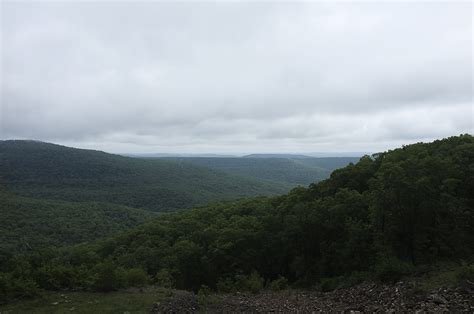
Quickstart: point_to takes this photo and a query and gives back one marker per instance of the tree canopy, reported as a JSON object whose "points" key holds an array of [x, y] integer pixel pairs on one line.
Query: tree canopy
{"points": [[386, 214]]}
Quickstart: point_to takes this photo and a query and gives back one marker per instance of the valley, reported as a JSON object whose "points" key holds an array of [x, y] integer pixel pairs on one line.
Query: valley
{"points": [[395, 214], [285, 169], [236, 157]]}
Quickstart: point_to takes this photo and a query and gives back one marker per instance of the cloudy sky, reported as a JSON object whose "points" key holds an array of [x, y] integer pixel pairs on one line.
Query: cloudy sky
{"points": [[236, 77]]}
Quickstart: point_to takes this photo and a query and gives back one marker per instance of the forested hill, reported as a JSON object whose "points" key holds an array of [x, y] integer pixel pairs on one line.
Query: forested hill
{"points": [[286, 169], [43, 170], [387, 216], [29, 224]]}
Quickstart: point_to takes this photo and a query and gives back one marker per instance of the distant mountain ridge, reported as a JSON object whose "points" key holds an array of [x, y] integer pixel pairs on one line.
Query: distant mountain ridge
{"points": [[160, 155], [253, 155], [292, 169], [275, 156], [50, 171]]}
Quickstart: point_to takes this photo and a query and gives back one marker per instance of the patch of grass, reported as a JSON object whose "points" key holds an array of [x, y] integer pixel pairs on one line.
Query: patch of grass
{"points": [[124, 301]]}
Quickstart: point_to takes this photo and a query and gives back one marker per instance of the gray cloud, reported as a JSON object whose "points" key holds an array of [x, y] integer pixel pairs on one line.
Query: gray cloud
{"points": [[236, 76]]}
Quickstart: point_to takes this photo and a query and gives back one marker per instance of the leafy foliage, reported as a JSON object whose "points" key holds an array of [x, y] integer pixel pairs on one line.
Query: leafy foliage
{"points": [[386, 214], [279, 284], [31, 224]]}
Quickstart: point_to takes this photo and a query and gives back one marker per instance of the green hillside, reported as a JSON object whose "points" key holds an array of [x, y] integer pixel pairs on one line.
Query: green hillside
{"points": [[389, 215], [292, 170], [31, 224], [48, 171], [329, 163]]}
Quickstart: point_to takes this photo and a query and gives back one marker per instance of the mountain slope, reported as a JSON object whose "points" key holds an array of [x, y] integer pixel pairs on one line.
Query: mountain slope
{"points": [[31, 224], [328, 163], [49, 171], [383, 217], [292, 170]]}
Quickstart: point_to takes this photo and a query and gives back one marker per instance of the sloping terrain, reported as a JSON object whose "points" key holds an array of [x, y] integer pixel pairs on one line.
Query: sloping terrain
{"points": [[48, 171], [388, 216], [32, 224], [288, 169]]}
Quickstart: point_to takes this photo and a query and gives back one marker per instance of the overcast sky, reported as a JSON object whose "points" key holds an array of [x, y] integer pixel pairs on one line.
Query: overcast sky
{"points": [[236, 77]]}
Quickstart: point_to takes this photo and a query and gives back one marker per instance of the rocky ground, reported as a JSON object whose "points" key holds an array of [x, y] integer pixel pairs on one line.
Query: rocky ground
{"points": [[364, 298]]}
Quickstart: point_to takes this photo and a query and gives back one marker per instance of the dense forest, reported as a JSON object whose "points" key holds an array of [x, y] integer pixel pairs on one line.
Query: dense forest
{"points": [[48, 171], [386, 215], [293, 170], [31, 224]]}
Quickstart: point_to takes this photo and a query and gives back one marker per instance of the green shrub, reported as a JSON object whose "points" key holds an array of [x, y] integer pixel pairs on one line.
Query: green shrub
{"points": [[466, 272], [13, 287], [54, 277], [226, 285], [5, 287], [203, 296], [332, 283], [392, 269], [329, 284], [136, 277], [355, 278], [164, 279], [253, 282], [25, 288], [278, 284], [107, 278]]}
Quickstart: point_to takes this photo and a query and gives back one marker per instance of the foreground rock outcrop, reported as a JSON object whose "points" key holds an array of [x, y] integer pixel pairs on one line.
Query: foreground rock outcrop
{"points": [[364, 298]]}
